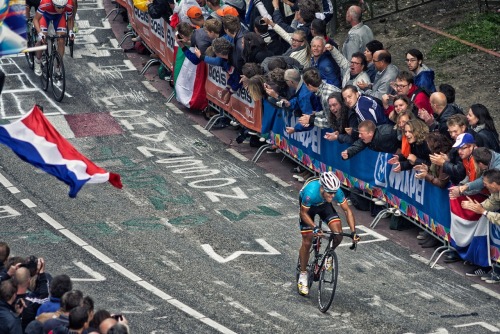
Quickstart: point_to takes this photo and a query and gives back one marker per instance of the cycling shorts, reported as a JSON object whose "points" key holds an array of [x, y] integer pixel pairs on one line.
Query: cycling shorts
{"points": [[325, 211], [58, 20]]}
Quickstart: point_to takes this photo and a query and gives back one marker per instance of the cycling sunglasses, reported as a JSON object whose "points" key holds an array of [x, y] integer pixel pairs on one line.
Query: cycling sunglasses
{"points": [[59, 7], [331, 192]]}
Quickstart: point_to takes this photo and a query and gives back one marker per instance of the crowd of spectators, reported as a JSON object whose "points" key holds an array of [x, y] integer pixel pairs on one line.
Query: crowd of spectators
{"points": [[280, 51], [34, 302]]}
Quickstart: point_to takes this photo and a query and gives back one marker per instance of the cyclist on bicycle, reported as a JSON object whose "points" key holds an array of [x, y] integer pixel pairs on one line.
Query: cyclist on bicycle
{"points": [[316, 198], [55, 11]]}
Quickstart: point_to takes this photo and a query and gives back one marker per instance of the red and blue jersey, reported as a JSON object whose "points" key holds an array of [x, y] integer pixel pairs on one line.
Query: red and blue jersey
{"points": [[47, 8]]}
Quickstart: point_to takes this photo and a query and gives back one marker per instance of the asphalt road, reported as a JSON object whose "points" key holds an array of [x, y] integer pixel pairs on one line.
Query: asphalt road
{"points": [[198, 240]]}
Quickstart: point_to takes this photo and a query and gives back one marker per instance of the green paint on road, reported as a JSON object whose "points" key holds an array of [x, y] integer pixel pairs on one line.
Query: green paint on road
{"points": [[143, 224], [45, 236], [263, 211]]}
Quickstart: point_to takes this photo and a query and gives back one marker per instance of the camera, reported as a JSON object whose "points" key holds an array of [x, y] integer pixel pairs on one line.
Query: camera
{"points": [[279, 104], [31, 263], [117, 317], [262, 22]]}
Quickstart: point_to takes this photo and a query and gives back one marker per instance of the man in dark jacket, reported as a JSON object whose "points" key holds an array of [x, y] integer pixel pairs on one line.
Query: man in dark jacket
{"points": [[9, 311], [442, 111], [382, 138], [161, 9]]}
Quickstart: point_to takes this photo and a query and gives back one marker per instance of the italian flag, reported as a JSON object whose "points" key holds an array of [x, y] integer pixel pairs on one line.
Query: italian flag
{"points": [[190, 85]]}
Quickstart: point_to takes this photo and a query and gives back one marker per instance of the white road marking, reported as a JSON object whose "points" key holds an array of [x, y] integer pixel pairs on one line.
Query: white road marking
{"points": [[149, 86], [13, 190], [174, 108], [486, 290], [28, 203], [6, 183], [237, 154], [203, 131], [483, 324], [277, 180], [210, 251], [96, 277]]}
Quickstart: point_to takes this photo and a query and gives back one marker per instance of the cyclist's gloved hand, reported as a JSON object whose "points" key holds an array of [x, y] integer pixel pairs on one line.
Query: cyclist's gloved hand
{"points": [[71, 34], [355, 237], [41, 36], [316, 230]]}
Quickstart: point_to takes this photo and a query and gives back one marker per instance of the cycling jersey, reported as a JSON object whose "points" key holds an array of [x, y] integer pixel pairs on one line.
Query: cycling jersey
{"points": [[49, 14], [310, 197]]}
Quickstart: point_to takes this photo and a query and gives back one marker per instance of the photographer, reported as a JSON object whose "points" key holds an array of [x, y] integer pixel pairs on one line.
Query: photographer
{"points": [[32, 299]]}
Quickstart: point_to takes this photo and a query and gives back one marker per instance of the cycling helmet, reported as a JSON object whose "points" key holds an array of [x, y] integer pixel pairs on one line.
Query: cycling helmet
{"points": [[60, 3], [329, 181]]}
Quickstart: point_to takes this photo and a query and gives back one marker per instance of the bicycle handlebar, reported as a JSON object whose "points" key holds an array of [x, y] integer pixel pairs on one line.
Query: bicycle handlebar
{"points": [[349, 235]]}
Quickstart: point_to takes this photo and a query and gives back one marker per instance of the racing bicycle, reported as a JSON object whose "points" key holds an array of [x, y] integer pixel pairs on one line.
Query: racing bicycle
{"points": [[31, 42], [318, 270], [53, 68]]}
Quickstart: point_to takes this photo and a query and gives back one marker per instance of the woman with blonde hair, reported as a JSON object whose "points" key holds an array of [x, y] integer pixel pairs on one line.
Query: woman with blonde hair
{"points": [[415, 132]]}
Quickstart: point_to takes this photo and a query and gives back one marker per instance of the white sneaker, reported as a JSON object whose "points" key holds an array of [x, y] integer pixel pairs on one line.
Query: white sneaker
{"points": [[302, 285], [38, 67], [329, 263]]}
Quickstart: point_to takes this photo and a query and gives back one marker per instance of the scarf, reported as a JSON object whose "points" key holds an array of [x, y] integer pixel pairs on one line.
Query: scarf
{"points": [[405, 147]]}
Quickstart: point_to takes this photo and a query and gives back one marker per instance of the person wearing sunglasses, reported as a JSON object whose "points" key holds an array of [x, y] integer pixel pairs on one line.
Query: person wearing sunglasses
{"points": [[316, 197], [57, 12]]}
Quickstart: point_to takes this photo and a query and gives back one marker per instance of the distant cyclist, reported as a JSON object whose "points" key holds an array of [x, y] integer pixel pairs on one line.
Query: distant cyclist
{"points": [[316, 198], [55, 11]]}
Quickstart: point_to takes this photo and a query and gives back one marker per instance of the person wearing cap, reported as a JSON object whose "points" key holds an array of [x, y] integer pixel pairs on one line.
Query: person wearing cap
{"points": [[485, 159], [465, 144], [195, 17], [274, 43]]}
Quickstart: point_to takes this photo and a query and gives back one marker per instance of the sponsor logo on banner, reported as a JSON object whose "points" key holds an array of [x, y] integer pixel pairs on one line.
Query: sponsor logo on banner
{"points": [[217, 75], [407, 183], [170, 37], [141, 16], [243, 96], [379, 173], [158, 28], [307, 139]]}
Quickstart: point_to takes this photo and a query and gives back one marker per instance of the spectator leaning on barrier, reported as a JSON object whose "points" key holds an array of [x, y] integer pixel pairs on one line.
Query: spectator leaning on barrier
{"points": [[313, 81], [415, 151], [386, 73], [370, 49], [202, 38], [438, 143], [382, 138], [358, 35], [486, 159], [274, 43], [158, 9], [451, 162], [489, 208], [424, 76], [300, 102], [366, 108], [195, 17]]}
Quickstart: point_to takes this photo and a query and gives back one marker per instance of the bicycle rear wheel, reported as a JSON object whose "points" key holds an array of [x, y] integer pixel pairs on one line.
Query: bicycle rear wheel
{"points": [[327, 283], [45, 77], [58, 77]]}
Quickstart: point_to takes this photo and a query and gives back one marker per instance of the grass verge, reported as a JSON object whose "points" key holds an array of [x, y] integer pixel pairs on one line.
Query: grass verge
{"points": [[481, 28]]}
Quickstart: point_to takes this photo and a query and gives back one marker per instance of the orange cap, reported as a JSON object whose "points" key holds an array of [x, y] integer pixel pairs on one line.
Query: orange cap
{"points": [[228, 10], [194, 12]]}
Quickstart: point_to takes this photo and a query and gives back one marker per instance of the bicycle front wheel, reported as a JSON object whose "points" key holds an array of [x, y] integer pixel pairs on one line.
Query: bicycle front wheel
{"points": [[45, 77], [30, 56], [58, 77], [327, 282]]}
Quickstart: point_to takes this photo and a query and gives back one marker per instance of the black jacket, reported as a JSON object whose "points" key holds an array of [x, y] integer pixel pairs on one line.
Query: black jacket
{"points": [[440, 122], [385, 139], [160, 9], [486, 138], [10, 323], [421, 151], [454, 168]]}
